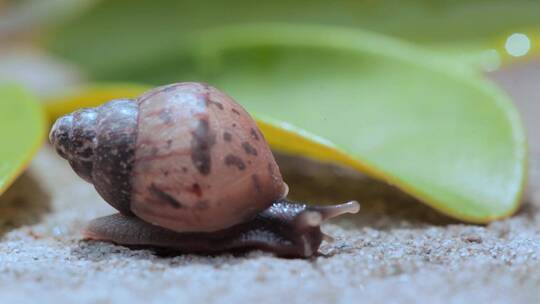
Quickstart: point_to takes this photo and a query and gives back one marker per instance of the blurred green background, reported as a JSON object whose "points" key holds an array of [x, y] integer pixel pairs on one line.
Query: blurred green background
{"points": [[125, 40]]}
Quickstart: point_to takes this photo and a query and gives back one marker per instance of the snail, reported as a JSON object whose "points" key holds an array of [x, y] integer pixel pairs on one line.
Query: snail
{"points": [[189, 170]]}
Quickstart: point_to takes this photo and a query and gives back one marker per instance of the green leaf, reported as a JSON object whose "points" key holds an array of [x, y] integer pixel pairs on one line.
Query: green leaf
{"points": [[22, 131], [429, 126], [121, 39]]}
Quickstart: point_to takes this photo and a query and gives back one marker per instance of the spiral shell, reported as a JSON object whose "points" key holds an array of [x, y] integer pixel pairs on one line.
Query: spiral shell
{"points": [[185, 157]]}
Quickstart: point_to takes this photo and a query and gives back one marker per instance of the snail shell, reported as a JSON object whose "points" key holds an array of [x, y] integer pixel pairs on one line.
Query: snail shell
{"points": [[185, 157]]}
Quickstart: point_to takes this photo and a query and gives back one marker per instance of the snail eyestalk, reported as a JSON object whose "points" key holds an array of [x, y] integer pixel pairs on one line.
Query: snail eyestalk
{"points": [[328, 212]]}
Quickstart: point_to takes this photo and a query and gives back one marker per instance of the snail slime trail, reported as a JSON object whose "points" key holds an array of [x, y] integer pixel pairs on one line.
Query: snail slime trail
{"points": [[188, 170]]}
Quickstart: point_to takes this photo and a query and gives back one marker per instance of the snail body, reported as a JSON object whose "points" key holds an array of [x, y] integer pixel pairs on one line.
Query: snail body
{"points": [[287, 229], [187, 168]]}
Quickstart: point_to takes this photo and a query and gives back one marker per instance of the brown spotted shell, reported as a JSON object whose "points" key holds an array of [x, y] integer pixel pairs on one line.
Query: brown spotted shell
{"points": [[185, 157]]}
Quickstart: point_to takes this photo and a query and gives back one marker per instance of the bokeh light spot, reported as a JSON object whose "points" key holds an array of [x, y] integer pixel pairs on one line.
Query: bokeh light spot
{"points": [[517, 44]]}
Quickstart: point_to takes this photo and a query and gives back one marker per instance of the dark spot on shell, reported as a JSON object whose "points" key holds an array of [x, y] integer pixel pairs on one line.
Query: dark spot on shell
{"points": [[235, 111], [233, 160], [256, 183], [210, 102], [166, 172], [166, 116], [169, 143], [154, 151], [195, 189], [254, 134], [164, 197], [184, 169], [201, 205], [234, 125], [248, 148], [201, 144], [227, 136]]}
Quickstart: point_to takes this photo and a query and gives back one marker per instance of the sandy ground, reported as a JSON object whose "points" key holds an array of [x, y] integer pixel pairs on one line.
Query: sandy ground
{"points": [[395, 251]]}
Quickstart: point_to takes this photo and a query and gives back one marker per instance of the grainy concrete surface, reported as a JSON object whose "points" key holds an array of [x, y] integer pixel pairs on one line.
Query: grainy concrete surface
{"points": [[395, 251]]}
